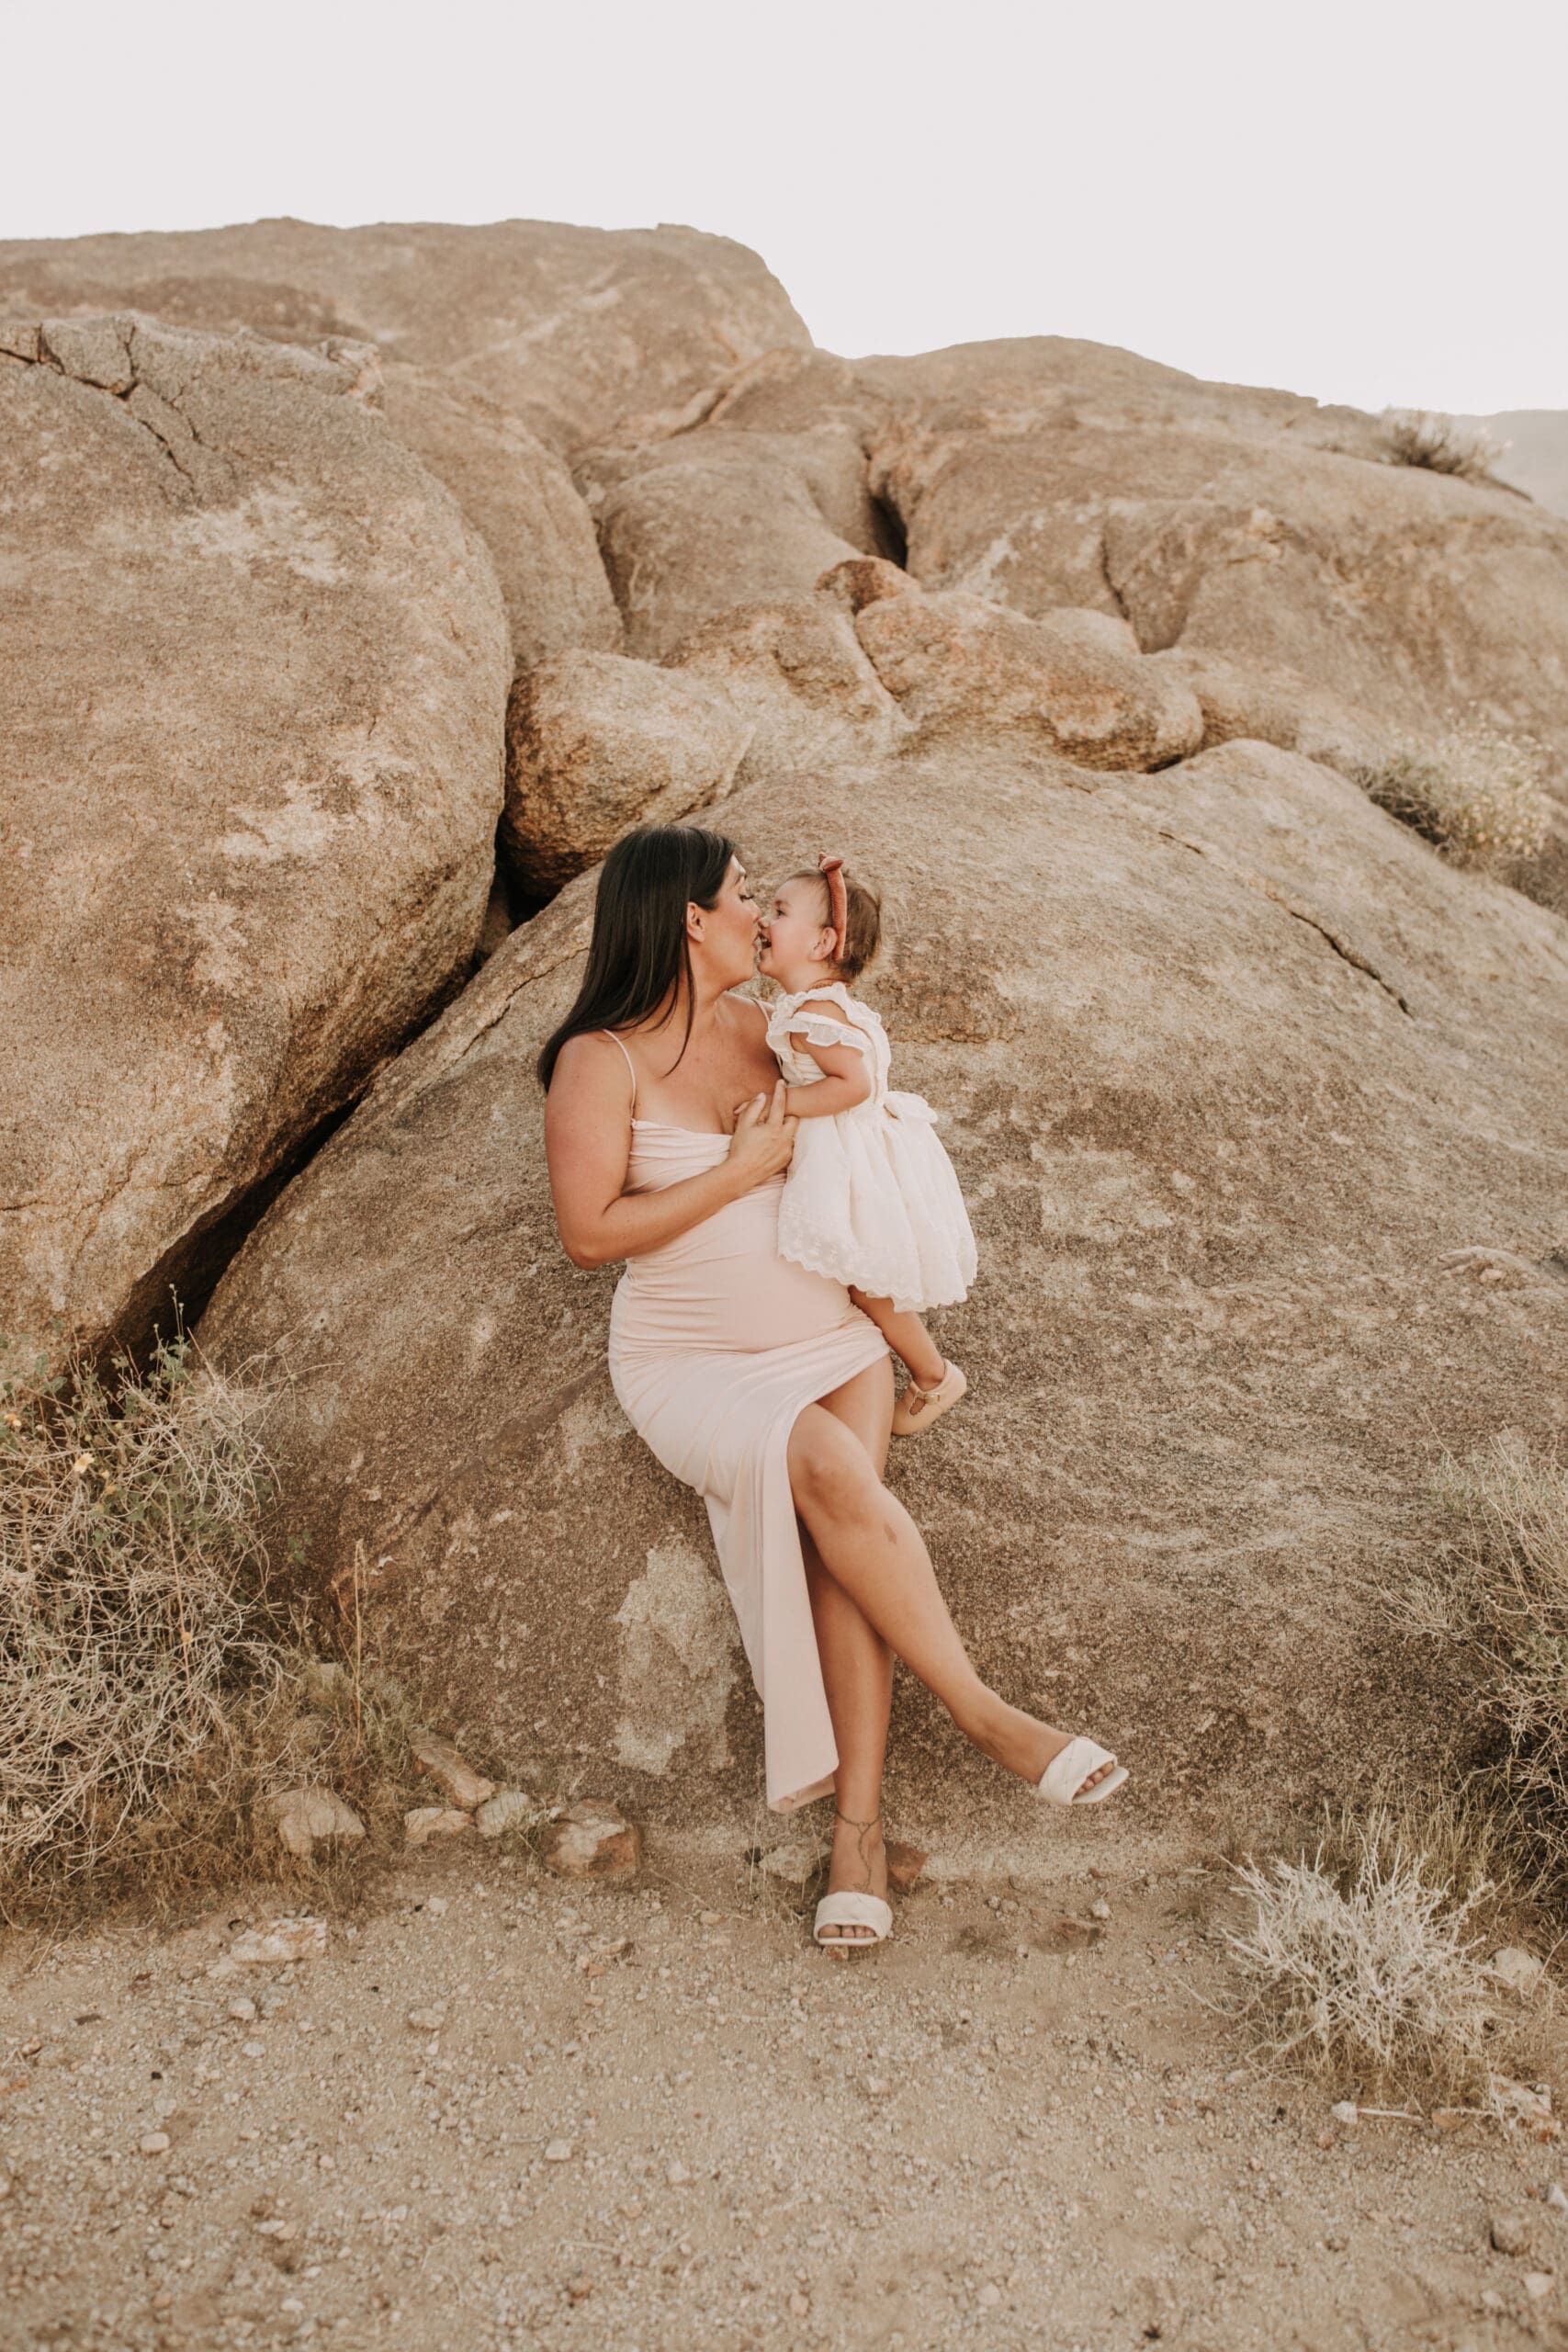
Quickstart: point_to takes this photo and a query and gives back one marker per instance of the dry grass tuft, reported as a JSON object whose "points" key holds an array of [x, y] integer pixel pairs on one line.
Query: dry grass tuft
{"points": [[1500, 1585], [1364, 1958], [1474, 792], [782, 1895], [1440, 445], [155, 1683], [145, 1701]]}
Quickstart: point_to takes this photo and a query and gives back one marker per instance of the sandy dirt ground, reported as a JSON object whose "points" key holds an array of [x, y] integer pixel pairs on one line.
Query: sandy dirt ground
{"points": [[504, 2110]]}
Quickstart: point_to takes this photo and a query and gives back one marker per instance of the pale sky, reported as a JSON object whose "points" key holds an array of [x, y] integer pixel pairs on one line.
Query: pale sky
{"points": [[1366, 202]]}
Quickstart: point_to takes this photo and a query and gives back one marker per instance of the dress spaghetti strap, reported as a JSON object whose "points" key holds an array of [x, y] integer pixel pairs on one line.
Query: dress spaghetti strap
{"points": [[631, 1064]]}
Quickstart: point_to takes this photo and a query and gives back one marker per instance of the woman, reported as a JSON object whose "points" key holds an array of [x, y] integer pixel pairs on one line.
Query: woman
{"points": [[754, 1380]]}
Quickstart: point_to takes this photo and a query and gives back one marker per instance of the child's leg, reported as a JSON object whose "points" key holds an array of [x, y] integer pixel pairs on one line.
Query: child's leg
{"points": [[907, 1338]]}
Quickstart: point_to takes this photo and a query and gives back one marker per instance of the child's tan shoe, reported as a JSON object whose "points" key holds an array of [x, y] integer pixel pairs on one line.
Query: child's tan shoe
{"points": [[917, 1408]]}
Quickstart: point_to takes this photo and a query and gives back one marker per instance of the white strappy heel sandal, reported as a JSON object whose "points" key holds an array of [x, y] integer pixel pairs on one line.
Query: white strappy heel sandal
{"points": [[1062, 1781], [867, 1914], [867, 1911]]}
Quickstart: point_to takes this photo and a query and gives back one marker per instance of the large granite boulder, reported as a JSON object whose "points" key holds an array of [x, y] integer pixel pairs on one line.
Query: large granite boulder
{"points": [[597, 745], [868, 662], [1243, 526], [796, 672], [695, 525], [1229, 1063], [1074, 680], [1273, 704], [568, 329], [503, 347], [521, 498], [597, 742], [1249, 525], [251, 735]]}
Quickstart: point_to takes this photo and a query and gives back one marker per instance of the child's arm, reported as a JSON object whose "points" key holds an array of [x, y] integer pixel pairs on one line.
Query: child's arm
{"points": [[846, 1081]]}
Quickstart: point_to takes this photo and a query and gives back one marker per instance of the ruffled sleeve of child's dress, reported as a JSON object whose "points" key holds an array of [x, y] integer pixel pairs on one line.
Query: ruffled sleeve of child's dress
{"points": [[794, 1017]]}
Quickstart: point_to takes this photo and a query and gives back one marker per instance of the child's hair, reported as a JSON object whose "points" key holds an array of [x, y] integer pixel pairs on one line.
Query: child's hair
{"points": [[863, 924]]}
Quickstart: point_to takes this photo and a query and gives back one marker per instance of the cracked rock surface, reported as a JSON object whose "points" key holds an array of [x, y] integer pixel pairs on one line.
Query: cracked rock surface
{"points": [[505, 347], [571, 330], [251, 760]]}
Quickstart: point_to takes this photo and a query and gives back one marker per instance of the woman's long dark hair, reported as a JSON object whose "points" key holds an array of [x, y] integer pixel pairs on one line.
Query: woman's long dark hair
{"points": [[639, 953]]}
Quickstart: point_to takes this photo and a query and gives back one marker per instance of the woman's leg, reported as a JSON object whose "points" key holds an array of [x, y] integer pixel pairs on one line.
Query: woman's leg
{"points": [[872, 1549], [857, 1674]]}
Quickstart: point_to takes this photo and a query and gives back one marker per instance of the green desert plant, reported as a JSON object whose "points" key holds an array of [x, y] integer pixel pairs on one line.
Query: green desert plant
{"points": [[143, 1685], [1474, 791], [1364, 1958], [1440, 445]]}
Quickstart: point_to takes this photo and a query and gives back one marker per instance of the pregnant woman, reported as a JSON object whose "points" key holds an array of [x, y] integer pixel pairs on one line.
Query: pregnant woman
{"points": [[754, 1380]]}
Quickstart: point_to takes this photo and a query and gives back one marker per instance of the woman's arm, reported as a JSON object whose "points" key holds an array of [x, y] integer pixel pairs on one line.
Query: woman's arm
{"points": [[846, 1081], [588, 1145]]}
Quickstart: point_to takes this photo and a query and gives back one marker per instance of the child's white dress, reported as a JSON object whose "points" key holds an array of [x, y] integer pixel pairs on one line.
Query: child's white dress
{"points": [[871, 1198]]}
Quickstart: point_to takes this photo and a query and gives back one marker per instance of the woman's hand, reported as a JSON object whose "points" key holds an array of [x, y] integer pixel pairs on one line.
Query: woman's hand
{"points": [[763, 1141]]}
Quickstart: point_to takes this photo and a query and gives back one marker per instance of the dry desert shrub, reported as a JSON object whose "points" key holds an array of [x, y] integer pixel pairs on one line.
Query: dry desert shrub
{"points": [[1499, 1584], [144, 1699], [1474, 792], [1364, 1958], [1439, 444], [157, 1680]]}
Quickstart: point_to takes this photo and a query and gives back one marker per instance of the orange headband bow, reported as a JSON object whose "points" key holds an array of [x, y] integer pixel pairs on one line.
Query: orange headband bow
{"points": [[833, 872]]}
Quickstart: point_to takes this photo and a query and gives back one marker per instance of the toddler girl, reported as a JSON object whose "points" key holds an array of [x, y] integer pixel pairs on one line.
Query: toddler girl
{"points": [[871, 1199]]}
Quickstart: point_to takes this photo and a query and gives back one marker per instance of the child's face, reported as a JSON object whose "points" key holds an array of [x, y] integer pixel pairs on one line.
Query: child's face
{"points": [[796, 944]]}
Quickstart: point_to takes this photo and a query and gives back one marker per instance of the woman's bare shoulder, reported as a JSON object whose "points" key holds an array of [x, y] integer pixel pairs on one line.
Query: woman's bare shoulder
{"points": [[593, 1061]]}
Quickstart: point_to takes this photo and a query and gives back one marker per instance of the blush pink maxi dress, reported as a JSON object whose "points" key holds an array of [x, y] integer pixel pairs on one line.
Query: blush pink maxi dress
{"points": [[716, 1345]]}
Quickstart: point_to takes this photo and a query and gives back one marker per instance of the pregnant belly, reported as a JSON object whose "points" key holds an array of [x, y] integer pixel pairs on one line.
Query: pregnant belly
{"points": [[724, 1286]]}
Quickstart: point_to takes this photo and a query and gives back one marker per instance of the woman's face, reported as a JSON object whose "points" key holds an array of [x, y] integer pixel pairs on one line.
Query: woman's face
{"points": [[729, 932]]}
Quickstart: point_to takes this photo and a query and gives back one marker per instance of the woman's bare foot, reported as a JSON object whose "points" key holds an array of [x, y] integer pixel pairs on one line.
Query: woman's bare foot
{"points": [[858, 1866], [1022, 1743]]}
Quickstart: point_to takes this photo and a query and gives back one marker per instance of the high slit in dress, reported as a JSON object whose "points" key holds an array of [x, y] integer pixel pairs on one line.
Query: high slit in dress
{"points": [[716, 1345]]}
